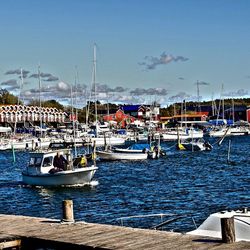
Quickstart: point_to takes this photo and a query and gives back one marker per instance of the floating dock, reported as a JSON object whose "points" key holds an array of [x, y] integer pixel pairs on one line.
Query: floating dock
{"points": [[32, 233]]}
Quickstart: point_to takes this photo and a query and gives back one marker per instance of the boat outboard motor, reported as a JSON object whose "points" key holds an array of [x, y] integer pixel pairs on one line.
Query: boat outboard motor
{"points": [[208, 145]]}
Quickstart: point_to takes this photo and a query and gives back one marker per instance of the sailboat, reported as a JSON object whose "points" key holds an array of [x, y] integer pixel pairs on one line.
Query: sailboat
{"points": [[98, 139]]}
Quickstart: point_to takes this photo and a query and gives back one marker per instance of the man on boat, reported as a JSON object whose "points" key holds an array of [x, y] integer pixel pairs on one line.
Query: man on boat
{"points": [[60, 162]]}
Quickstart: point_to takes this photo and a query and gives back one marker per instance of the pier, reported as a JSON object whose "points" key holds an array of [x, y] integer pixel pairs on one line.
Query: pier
{"points": [[32, 233]]}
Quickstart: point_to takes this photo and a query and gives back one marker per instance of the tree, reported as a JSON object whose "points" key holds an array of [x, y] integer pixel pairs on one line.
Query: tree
{"points": [[48, 104], [7, 98]]}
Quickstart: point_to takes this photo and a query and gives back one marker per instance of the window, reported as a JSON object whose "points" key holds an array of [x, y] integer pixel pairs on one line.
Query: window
{"points": [[35, 161], [47, 161]]}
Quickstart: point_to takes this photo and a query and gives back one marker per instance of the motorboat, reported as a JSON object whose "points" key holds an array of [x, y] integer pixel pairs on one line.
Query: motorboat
{"points": [[113, 155], [196, 145], [104, 139], [181, 132], [211, 227], [41, 171], [134, 152], [24, 143]]}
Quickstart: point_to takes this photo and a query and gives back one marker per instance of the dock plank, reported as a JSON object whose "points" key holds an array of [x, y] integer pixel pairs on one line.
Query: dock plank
{"points": [[100, 236]]}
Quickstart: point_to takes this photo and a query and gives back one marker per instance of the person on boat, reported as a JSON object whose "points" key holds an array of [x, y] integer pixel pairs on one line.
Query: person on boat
{"points": [[60, 162], [83, 162]]}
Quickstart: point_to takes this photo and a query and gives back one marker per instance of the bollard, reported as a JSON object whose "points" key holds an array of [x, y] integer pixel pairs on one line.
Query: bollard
{"points": [[68, 214], [227, 230]]}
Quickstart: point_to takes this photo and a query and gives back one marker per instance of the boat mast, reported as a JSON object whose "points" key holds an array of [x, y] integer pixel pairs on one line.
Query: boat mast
{"points": [[233, 110], [73, 120], [198, 97], [19, 98], [223, 104], [40, 102], [94, 84]]}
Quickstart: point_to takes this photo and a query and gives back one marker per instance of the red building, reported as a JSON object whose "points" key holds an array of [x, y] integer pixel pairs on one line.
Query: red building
{"points": [[122, 119], [248, 114]]}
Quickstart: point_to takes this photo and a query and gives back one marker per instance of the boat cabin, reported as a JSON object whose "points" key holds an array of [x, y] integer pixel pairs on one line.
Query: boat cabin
{"points": [[42, 162]]}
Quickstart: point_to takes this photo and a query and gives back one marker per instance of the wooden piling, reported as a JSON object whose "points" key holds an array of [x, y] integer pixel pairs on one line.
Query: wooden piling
{"points": [[227, 230], [68, 214]]}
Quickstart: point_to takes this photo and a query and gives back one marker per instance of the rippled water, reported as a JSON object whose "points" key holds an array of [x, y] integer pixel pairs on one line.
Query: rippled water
{"points": [[185, 183]]}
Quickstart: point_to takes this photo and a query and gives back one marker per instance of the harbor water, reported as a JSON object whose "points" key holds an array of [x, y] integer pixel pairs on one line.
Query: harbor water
{"points": [[188, 184]]}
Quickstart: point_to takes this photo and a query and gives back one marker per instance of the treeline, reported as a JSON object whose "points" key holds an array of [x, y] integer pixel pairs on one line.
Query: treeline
{"points": [[8, 98], [176, 107]]}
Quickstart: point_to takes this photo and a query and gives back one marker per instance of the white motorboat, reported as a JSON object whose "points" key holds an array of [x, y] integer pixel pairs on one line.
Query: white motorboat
{"points": [[24, 143], [239, 130], [229, 131], [211, 227], [182, 133], [113, 155], [134, 152], [104, 140], [41, 170], [220, 132], [196, 145]]}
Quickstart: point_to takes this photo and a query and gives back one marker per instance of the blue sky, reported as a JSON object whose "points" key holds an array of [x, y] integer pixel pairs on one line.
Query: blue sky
{"points": [[146, 50]]}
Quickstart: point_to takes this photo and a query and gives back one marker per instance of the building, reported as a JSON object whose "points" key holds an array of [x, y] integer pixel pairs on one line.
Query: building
{"points": [[142, 112], [120, 117], [10, 114], [248, 114]]}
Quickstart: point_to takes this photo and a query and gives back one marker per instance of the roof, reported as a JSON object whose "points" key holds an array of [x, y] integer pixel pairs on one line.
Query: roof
{"points": [[130, 107]]}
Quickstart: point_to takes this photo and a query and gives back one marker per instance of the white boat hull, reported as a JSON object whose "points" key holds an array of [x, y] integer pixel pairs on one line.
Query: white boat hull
{"points": [[105, 155], [211, 227], [101, 141], [172, 135], [79, 176]]}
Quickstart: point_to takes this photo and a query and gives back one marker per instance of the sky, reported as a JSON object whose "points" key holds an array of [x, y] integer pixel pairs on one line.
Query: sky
{"points": [[146, 50]]}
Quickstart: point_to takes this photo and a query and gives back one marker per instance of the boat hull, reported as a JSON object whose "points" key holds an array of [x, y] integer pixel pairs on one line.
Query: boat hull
{"points": [[211, 227], [79, 176], [111, 156]]}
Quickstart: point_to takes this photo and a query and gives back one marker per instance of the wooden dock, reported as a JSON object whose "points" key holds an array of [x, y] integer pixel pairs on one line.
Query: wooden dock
{"points": [[31, 233]]}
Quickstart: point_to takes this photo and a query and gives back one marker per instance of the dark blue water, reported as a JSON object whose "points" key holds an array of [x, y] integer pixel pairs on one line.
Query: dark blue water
{"points": [[185, 183]]}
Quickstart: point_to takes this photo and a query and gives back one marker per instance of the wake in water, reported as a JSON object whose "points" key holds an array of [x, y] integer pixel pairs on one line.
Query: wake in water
{"points": [[93, 183]]}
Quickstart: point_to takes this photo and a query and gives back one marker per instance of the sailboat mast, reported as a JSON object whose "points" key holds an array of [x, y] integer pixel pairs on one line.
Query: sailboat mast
{"points": [[233, 110], [223, 104], [21, 85], [73, 120], [94, 82], [94, 85], [19, 98], [40, 101], [198, 96]]}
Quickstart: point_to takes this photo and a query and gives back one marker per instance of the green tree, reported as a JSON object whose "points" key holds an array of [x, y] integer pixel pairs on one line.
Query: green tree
{"points": [[48, 104], [8, 98]]}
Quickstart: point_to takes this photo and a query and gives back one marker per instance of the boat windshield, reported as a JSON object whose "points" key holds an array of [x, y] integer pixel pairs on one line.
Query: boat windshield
{"points": [[47, 161], [35, 161]]}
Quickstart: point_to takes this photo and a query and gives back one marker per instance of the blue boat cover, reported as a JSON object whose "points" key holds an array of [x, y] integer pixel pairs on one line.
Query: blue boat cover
{"points": [[140, 146]]}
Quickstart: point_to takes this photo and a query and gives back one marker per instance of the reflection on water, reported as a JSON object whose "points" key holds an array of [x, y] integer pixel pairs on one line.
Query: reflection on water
{"points": [[184, 183]]}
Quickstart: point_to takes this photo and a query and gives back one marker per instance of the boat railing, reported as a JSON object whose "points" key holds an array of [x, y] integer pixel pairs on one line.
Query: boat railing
{"points": [[161, 215], [238, 219]]}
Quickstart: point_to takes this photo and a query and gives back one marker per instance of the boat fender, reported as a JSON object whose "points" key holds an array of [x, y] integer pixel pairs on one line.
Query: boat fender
{"points": [[180, 146]]}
